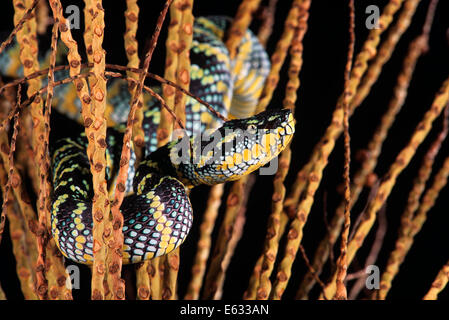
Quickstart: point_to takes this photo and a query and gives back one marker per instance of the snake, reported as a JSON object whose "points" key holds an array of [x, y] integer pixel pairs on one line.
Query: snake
{"points": [[156, 210]]}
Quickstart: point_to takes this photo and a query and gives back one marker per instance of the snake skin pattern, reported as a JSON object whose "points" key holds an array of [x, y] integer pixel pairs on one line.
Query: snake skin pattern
{"points": [[157, 211]]}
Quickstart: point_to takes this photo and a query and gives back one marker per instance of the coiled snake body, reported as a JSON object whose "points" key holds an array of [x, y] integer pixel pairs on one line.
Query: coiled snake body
{"points": [[157, 211]]}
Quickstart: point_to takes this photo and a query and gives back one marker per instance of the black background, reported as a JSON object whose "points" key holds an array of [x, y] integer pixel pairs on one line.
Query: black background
{"points": [[325, 48]]}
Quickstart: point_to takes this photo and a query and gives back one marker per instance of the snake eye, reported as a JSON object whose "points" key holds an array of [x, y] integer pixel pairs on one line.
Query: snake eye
{"points": [[252, 128]]}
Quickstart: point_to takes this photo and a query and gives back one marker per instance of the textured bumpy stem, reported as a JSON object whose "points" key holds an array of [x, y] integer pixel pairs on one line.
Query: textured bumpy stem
{"points": [[342, 261], [215, 275], [360, 284], [17, 228], [388, 181], [279, 55], [237, 232], [54, 288], [19, 24], [132, 53], [438, 284], [266, 28], [371, 76], [24, 265], [429, 198], [404, 241], [74, 60], [371, 156], [156, 275], [172, 45], [402, 23], [2, 294], [8, 180], [240, 24], [42, 17], [271, 242], [56, 272], [326, 146], [102, 230], [134, 121], [26, 37], [417, 47], [251, 291], [87, 35], [185, 32], [181, 22], [204, 242], [84, 96], [50, 91], [142, 281], [150, 267]]}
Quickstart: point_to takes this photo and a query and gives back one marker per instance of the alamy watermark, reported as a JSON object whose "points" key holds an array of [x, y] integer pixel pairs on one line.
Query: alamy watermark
{"points": [[74, 16], [372, 21], [73, 279], [372, 281]]}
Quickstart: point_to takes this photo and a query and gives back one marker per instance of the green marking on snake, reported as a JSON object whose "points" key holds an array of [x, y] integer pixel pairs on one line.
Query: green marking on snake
{"points": [[157, 211]]}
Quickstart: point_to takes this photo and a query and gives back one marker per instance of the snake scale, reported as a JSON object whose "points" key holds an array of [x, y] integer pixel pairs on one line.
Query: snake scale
{"points": [[157, 211]]}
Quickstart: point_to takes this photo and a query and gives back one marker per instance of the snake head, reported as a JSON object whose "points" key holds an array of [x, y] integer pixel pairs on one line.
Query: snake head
{"points": [[238, 148]]}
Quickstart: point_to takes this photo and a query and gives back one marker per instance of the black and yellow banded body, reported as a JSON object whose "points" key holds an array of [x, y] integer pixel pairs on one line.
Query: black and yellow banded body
{"points": [[157, 211]]}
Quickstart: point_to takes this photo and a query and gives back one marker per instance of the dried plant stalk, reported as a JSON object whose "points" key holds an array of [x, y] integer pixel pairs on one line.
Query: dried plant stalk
{"points": [[405, 242], [105, 269], [84, 96], [24, 265], [342, 261], [279, 55], [142, 281], [19, 24], [156, 276], [405, 239], [371, 76], [401, 162], [416, 49], [240, 24], [183, 61], [57, 276], [438, 284], [44, 183], [2, 294], [360, 284], [22, 243], [132, 53], [182, 23], [215, 275], [26, 38], [74, 60], [385, 51], [172, 45], [237, 232], [251, 291], [204, 242], [87, 35], [254, 281], [326, 146], [370, 157], [42, 17], [429, 198], [153, 265], [266, 28], [82, 90], [8, 180], [272, 238]]}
